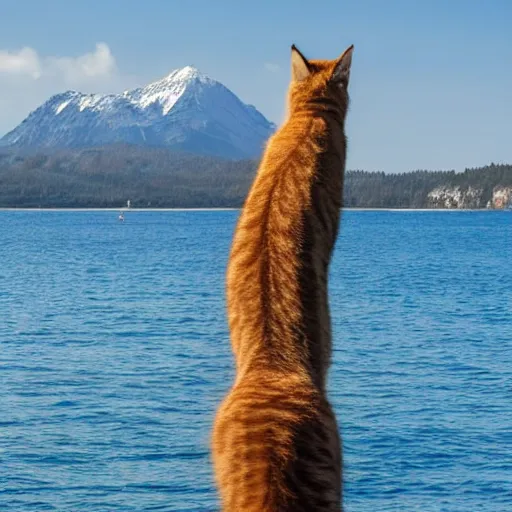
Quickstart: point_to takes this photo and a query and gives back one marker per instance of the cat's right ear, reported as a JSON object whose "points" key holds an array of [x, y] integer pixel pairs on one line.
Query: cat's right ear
{"points": [[341, 72], [300, 65]]}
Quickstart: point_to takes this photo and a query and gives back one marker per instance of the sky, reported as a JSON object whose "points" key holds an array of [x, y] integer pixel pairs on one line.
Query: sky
{"points": [[431, 81]]}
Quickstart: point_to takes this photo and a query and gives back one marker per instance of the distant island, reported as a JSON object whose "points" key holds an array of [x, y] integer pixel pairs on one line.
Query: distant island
{"points": [[152, 177]]}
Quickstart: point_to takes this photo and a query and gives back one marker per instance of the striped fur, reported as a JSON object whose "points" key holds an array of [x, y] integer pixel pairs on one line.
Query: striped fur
{"points": [[275, 441]]}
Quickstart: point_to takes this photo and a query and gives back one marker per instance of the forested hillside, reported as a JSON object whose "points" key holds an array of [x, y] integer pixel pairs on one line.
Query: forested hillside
{"points": [[153, 177]]}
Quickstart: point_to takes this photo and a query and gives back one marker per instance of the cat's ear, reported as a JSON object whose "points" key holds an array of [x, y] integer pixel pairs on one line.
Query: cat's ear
{"points": [[341, 71], [300, 65]]}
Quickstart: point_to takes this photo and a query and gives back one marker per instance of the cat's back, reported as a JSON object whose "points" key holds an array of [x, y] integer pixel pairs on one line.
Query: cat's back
{"points": [[280, 191], [272, 434]]}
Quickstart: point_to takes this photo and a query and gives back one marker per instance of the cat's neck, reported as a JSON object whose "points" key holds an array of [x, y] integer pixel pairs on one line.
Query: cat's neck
{"points": [[277, 277]]}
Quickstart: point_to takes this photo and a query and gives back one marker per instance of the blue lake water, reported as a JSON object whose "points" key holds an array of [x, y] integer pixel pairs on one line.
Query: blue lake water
{"points": [[114, 354]]}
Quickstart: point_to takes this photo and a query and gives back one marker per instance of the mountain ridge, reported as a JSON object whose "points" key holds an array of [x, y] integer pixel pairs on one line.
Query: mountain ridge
{"points": [[185, 110]]}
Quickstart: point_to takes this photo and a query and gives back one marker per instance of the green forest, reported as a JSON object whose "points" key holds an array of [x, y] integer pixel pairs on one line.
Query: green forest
{"points": [[155, 177]]}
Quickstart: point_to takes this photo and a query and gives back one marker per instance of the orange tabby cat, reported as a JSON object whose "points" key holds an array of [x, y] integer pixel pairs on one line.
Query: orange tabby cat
{"points": [[276, 446]]}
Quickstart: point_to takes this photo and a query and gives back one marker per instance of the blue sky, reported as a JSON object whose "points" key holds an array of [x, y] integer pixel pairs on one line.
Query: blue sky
{"points": [[431, 81]]}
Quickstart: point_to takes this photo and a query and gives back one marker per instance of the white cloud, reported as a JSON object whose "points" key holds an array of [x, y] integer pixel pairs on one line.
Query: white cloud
{"points": [[27, 79], [273, 68], [100, 63], [25, 62]]}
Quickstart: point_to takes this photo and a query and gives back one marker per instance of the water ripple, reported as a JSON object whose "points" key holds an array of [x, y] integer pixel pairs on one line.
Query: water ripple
{"points": [[114, 354]]}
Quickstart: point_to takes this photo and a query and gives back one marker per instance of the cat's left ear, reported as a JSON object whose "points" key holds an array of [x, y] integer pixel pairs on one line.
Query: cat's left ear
{"points": [[341, 72], [300, 65]]}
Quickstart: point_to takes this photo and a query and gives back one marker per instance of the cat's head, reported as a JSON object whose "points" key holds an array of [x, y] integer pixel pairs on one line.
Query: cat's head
{"points": [[319, 81]]}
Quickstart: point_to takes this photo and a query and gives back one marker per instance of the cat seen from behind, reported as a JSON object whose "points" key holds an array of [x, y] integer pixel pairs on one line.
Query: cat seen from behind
{"points": [[275, 443]]}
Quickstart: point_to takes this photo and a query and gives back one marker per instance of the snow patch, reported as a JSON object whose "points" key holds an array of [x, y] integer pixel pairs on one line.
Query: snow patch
{"points": [[61, 107]]}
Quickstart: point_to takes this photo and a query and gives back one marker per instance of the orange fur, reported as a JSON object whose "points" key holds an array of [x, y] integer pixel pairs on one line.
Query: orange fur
{"points": [[275, 442]]}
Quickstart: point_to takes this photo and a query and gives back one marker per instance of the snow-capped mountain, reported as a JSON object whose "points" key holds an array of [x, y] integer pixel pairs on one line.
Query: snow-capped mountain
{"points": [[186, 111]]}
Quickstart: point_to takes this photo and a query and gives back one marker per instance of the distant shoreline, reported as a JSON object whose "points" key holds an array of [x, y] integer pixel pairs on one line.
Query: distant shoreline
{"points": [[124, 209], [121, 208]]}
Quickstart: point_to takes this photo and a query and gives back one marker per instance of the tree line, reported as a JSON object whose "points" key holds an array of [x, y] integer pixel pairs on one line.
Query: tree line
{"points": [[156, 177]]}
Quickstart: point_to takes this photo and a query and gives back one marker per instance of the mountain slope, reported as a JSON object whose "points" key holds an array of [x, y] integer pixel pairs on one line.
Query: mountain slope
{"points": [[186, 110]]}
